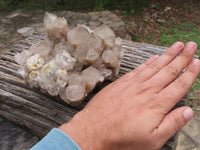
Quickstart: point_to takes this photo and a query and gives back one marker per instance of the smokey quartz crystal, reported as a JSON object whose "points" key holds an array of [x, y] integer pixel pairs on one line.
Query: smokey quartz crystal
{"points": [[70, 62]]}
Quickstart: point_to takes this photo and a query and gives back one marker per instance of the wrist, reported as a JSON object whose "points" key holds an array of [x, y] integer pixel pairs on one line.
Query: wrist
{"points": [[84, 132]]}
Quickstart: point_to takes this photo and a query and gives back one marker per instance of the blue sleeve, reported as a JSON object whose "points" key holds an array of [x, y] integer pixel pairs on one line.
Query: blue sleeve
{"points": [[56, 140]]}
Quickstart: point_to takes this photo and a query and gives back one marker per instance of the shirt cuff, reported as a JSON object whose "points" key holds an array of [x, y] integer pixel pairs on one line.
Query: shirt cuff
{"points": [[56, 140]]}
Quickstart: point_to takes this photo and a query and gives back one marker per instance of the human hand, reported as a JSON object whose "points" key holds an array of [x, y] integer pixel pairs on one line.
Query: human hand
{"points": [[132, 113]]}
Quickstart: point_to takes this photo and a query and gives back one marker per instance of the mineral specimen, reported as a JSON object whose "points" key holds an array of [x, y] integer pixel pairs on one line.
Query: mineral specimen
{"points": [[91, 77], [70, 62], [34, 62], [56, 27], [78, 35], [110, 58]]}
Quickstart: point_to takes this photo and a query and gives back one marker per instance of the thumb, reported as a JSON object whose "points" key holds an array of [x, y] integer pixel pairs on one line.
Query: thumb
{"points": [[173, 122]]}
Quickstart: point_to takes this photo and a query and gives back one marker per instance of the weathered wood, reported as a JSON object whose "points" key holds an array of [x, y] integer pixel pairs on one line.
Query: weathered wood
{"points": [[15, 138], [40, 112]]}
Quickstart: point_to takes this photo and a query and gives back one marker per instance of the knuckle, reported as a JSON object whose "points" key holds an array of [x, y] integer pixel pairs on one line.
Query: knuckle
{"points": [[169, 53], [154, 104], [186, 54], [173, 70], [143, 88], [147, 63], [154, 67], [181, 83], [175, 122], [192, 69]]}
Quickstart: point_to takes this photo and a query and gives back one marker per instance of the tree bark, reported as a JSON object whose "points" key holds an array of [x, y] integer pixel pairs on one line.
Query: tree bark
{"points": [[39, 112]]}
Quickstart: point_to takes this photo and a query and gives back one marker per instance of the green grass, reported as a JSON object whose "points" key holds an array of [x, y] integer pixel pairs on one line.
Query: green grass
{"points": [[5, 37], [148, 38], [99, 5], [186, 32], [190, 8], [196, 85]]}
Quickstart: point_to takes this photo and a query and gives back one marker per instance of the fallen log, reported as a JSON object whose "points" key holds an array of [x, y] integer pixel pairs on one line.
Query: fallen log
{"points": [[39, 112]]}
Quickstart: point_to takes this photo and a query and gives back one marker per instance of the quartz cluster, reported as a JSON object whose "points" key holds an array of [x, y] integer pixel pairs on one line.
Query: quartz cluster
{"points": [[70, 62]]}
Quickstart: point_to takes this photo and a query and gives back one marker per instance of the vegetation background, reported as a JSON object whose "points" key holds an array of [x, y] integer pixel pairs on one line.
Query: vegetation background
{"points": [[75, 5]]}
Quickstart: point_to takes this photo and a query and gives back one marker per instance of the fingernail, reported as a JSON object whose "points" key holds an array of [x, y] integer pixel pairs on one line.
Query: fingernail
{"points": [[196, 61], [190, 46], [177, 46], [188, 114], [154, 57]]}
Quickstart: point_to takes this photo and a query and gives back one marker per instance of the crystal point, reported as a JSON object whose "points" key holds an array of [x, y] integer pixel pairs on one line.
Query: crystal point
{"points": [[78, 35], [104, 32], [81, 53], [35, 62], [56, 27], [110, 58], [90, 77], [92, 56], [75, 93]]}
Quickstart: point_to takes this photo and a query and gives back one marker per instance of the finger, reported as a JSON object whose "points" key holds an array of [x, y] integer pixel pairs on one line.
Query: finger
{"points": [[140, 68], [173, 122], [172, 70], [175, 91], [161, 62]]}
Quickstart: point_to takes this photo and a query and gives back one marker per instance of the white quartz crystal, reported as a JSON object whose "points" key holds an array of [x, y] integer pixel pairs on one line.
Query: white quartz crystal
{"points": [[118, 42], [41, 48], [70, 63], [21, 58], [105, 73], [92, 55], [75, 93], [58, 47], [78, 35], [22, 72], [96, 43], [90, 77], [48, 70], [117, 51], [34, 78], [65, 60], [76, 79], [77, 67], [56, 27], [99, 63], [104, 32], [61, 77], [63, 96], [110, 58], [109, 42], [34, 62], [81, 53]]}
